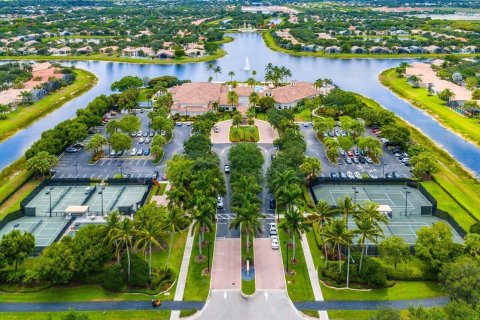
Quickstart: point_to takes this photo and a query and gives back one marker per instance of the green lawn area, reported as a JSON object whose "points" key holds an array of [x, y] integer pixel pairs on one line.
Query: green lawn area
{"points": [[26, 115], [350, 314], [262, 116], [402, 290], [303, 116], [298, 285], [248, 287], [459, 185], [198, 286], [93, 315], [244, 133], [469, 128], [317, 254]]}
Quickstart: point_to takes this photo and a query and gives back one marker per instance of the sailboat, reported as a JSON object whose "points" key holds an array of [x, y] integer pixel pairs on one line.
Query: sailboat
{"points": [[247, 65]]}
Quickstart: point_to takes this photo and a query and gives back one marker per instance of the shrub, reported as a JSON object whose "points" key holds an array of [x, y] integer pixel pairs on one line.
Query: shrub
{"points": [[138, 270], [408, 273], [161, 277], [374, 274], [113, 279], [3, 117], [475, 228], [14, 277]]}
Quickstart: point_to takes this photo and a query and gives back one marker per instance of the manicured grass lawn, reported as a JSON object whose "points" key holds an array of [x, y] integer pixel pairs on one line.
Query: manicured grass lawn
{"points": [[469, 128], [244, 133], [13, 203], [248, 287], [303, 116], [262, 116], [452, 177], [299, 287], [402, 290], [26, 115], [198, 286], [317, 254], [350, 314], [93, 315]]}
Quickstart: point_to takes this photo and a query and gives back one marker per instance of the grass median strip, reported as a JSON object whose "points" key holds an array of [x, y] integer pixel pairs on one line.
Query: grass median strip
{"points": [[469, 128], [92, 315], [248, 287], [24, 116]]}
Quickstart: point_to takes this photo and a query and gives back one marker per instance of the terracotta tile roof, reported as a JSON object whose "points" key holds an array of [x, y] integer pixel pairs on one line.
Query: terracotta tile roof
{"points": [[293, 93], [196, 93]]}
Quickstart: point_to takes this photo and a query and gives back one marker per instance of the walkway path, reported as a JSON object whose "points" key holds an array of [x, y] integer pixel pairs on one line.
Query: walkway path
{"points": [[182, 277], [189, 305], [313, 275]]}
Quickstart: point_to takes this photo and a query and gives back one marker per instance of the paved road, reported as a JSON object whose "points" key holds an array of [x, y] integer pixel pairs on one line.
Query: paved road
{"points": [[269, 272], [227, 265], [219, 302]]}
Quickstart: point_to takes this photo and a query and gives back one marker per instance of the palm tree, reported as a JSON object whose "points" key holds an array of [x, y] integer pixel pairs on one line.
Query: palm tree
{"points": [[201, 220], [251, 82], [254, 99], [231, 74], [123, 239], [414, 80], [210, 69], [286, 189], [295, 224], [110, 228], [323, 214], [232, 98], [318, 83], [254, 73], [337, 234], [172, 222], [248, 218], [368, 230], [371, 210], [216, 71], [346, 207], [149, 233]]}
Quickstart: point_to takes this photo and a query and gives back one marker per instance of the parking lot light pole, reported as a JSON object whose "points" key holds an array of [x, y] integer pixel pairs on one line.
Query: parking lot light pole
{"points": [[354, 194], [121, 168], [383, 168], [208, 257], [406, 199], [286, 242], [76, 172], [101, 195]]}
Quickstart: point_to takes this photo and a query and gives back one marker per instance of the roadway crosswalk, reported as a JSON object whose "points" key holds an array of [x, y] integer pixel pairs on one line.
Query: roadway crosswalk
{"points": [[230, 216]]}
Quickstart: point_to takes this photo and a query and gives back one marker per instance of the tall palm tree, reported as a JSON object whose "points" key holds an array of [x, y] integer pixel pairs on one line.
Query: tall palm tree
{"points": [[231, 74], [251, 82], [371, 210], [286, 188], [110, 229], [210, 68], [232, 98], [248, 218], [346, 207], [323, 214], [216, 71], [254, 99], [172, 222], [338, 235], [123, 239], [254, 73], [368, 230], [149, 234], [201, 220], [295, 224]]}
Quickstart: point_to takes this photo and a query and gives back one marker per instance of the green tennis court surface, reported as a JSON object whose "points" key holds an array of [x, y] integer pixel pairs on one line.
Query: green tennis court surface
{"points": [[400, 200], [58, 198], [44, 229]]}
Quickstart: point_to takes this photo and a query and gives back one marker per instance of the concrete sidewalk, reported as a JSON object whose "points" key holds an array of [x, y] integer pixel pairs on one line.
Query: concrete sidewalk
{"points": [[182, 277], [313, 275]]}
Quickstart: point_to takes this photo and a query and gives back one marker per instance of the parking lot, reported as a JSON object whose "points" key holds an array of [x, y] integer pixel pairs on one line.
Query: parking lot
{"points": [[315, 149], [72, 165]]}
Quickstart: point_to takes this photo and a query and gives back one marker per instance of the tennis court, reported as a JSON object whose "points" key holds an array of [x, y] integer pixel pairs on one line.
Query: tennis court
{"points": [[44, 229], [98, 199], [400, 200]]}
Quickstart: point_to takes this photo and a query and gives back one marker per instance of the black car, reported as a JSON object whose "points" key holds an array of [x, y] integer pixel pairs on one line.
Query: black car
{"points": [[155, 175], [388, 176], [395, 175], [78, 145], [119, 153], [271, 203], [361, 159], [333, 175]]}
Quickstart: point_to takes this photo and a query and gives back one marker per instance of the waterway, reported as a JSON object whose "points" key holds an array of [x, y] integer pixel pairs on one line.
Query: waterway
{"points": [[358, 75]]}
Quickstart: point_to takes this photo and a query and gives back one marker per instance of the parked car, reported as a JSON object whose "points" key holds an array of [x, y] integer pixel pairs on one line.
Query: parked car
{"points": [[350, 153], [305, 124], [78, 145], [357, 175], [147, 140], [119, 153], [140, 152], [152, 134], [133, 152], [226, 168], [355, 160], [350, 175], [341, 151], [271, 203], [146, 152], [274, 242], [133, 134], [331, 134], [71, 150], [140, 133], [273, 228], [343, 175], [155, 174], [372, 175], [333, 175], [145, 134], [348, 160], [163, 133], [368, 160], [141, 140], [395, 175], [361, 159], [388, 176], [343, 133], [216, 129], [219, 202], [188, 123], [113, 153], [179, 124]]}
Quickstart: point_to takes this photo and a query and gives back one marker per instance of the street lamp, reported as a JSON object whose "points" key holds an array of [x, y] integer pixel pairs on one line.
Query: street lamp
{"points": [[49, 193], [208, 257], [121, 168], [406, 199], [76, 172], [383, 168], [286, 242], [355, 191], [101, 195]]}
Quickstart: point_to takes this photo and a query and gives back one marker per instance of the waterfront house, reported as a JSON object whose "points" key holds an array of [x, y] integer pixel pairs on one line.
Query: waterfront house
{"points": [[358, 50], [333, 50]]}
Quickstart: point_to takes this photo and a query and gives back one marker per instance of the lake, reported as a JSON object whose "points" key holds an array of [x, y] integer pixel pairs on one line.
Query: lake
{"points": [[358, 75]]}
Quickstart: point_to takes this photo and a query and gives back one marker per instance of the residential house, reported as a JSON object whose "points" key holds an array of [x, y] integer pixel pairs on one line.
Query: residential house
{"points": [[402, 50], [195, 52], [288, 97], [472, 49], [358, 50], [110, 49], [138, 52], [416, 49], [60, 52], [84, 50], [165, 54], [436, 49], [380, 50], [333, 50]]}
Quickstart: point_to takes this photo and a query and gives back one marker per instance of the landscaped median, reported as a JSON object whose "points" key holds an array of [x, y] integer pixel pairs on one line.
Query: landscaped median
{"points": [[244, 133], [26, 115], [248, 286], [469, 128]]}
